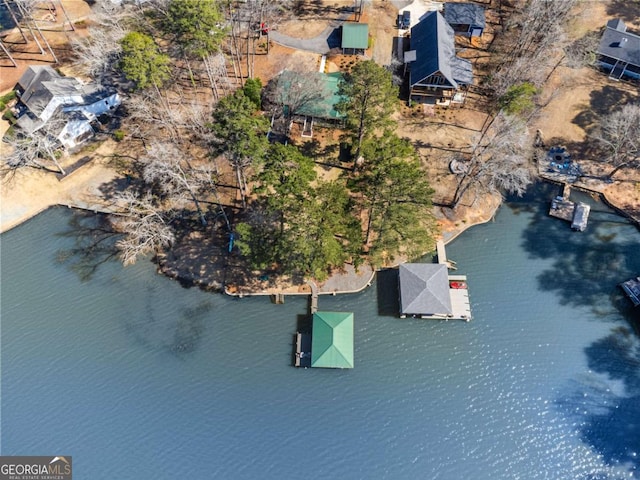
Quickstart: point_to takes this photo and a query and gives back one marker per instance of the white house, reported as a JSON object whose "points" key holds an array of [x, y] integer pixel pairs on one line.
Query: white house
{"points": [[44, 92]]}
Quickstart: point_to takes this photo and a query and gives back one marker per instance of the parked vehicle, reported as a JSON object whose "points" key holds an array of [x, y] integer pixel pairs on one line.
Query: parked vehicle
{"points": [[405, 19]]}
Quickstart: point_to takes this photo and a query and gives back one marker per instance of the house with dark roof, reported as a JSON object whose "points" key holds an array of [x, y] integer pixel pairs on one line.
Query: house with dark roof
{"points": [[465, 18], [437, 73], [43, 93], [355, 38], [619, 51]]}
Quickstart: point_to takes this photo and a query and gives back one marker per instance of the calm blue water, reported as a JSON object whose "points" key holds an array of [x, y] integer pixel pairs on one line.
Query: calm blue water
{"points": [[130, 369]]}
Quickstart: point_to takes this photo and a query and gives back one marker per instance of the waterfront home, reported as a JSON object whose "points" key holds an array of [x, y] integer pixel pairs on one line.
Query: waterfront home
{"points": [[44, 93], [428, 291], [619, 51], [332, 340], [307, 107], [436, 73], [466, 19]]}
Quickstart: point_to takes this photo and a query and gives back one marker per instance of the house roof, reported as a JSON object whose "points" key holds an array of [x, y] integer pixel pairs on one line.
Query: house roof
{"points": [[464, 14], [355, 35], [424, 289], [332, 340], [40, 84], [324, 105], [617, 24], [433, 40], [620, 44]]}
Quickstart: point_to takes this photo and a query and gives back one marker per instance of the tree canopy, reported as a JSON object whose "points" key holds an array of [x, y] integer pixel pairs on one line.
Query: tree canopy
{"points": [[198, 26], [396, 199], [142, 61], [241, 134], [370, 99], [295, 226], [619, 133]]}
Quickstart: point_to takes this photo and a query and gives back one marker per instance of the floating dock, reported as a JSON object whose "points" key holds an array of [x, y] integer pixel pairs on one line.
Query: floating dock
{"points": [[302, 354], [632, 289], [565, 209]]}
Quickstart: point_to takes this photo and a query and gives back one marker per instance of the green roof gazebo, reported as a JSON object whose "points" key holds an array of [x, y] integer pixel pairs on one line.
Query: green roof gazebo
{"points": [[355, 38], [332, 340]]}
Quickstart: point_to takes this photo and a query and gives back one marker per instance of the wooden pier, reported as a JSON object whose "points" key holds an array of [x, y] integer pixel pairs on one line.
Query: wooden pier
{"points": [[302, 354], [314, 296], [442, 256], [632, 289]]}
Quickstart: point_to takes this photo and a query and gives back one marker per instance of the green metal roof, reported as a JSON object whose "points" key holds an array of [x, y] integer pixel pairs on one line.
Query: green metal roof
{"points": [[355, 35], [324, 105], [332, 340]]}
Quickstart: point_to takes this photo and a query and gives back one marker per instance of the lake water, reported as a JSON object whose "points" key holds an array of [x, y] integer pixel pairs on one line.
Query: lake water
{"points": [[136, 377]]}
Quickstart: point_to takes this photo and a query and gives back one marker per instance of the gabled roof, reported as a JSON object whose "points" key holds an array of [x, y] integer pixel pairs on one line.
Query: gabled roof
{"points": [[332, 340], [424, 289], [464, 14], [40, 84], [617, 43], [433, 41], [355, 35], [617, 24]]}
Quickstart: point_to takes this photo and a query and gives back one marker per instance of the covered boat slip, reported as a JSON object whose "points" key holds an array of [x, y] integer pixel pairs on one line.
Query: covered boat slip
{"points": [[427, 291], [331, 343]]}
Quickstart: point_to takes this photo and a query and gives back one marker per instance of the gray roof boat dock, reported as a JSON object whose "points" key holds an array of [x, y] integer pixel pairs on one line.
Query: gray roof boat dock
{"points": [[632, 289], [428, 291], [565, 209]]}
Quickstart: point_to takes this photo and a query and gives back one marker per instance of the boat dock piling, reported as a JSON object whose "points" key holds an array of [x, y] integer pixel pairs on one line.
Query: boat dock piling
{"points": [[277, 298]]}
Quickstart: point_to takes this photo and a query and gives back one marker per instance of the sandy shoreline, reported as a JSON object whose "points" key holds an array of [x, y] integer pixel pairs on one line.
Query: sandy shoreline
{"points": [[32, 191]]}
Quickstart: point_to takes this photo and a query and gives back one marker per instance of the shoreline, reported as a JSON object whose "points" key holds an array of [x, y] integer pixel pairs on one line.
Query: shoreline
{"points": [[343, 283]]}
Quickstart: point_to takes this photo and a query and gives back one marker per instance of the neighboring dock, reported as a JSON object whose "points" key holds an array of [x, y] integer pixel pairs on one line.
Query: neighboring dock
{"points": [[632, 289], [565, 209]]}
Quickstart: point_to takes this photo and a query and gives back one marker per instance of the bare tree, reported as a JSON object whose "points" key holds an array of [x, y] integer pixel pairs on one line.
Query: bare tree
{"points": [[499, 161], [98, 53], [535, 39], [619, 133], [167, 166], [37, 149], [291, 92], [144, 224]]}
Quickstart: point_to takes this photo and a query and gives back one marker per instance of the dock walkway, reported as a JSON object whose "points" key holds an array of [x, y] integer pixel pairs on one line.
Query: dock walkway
{"points": [[302, 354]]}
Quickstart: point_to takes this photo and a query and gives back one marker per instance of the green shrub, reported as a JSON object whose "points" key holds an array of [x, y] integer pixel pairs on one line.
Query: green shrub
{"points": [[118, 135], [8, 115], [8, 97], [518, 98], [2, 106]]}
